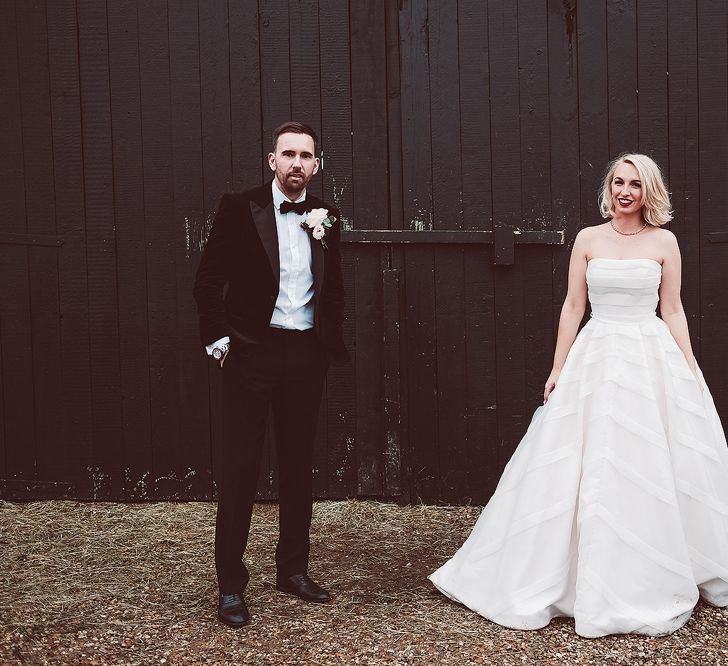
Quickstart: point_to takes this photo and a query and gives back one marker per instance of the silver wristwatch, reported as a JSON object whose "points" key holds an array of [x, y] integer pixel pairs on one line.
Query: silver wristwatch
{"points": [[219, 352]]}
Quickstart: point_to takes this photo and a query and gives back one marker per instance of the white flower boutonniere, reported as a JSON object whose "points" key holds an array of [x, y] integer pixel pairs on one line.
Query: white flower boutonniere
{"points": [[317, 223]]}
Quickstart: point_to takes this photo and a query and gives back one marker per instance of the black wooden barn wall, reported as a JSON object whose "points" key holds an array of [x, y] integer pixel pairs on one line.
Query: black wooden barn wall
{"points": [[474, 132]]}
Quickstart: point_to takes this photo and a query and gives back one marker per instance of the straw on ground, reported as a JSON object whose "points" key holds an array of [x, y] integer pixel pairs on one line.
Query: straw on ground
{"points": [[135, 584]]}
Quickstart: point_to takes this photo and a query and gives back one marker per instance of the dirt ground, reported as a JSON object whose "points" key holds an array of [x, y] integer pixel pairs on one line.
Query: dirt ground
{"points": [[135, 584]]}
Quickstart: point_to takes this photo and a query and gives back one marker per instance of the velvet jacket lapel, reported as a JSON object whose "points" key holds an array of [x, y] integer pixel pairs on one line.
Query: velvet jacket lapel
{"points": [[317, 254], [264, 217]]}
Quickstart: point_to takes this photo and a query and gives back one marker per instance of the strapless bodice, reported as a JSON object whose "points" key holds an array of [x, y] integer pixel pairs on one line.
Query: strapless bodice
{"points": [[623, 291]]}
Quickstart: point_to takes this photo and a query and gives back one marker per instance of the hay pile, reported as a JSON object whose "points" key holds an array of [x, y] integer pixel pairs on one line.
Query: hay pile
{"points": [[135, 584]]}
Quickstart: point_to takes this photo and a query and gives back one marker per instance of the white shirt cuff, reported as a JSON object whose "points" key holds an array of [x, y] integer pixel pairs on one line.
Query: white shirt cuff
{"points": [[218, 343]]}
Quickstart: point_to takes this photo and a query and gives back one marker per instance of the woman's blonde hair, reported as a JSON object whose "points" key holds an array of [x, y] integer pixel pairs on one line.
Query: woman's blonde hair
{"points": [[656, 208]]}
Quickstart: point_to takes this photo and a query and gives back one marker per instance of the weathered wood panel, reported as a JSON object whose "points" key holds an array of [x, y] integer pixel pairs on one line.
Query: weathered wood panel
{"points": [[106, 465], [19, 427], [188, 223], [339, 471], [713, 169], [125, 122]]}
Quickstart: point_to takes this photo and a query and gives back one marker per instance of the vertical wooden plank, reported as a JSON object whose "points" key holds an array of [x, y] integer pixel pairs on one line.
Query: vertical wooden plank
{"points": [[131, 247], [392, 298], [75, 399], [535, 261], [507, 212], [396, 432], [683, 161], [419, 261], [369, 122], [480, 408], [622, 79], [564, 148], [340, 471], [42, 261], [451, 363], [564, 128], [189, 227], [275, 71], [170, 468], [215, 95], [713, 131], [17, 369], [652, 79], [594, 145], [106, 470], [216, 156], [248, 145]]}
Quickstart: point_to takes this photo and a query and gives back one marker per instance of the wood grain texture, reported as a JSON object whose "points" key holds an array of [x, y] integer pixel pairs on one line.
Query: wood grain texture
{"points": [[397, 321], [249, 144], [447, 184], [444, 127], [188, 223], [683, 167], [594, 147], [42, 261], [338, 188], [565, 140], [369, 118], [713, 166], [131, 248], [106, 471], [419, 262], [76, 399], [170, 470], [478, 288], [19, 428], [507, 213], [622, 76], [536, 201]]}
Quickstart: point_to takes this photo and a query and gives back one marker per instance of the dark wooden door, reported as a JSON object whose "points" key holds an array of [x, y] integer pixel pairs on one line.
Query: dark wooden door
{"points": [[463, 141]]}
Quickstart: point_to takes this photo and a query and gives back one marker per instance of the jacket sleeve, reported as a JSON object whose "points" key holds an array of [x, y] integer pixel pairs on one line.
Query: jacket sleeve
{"points": [[212, 275]]}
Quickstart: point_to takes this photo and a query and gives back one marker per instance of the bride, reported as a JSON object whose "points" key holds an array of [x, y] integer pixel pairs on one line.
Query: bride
{"points": [[613, 509]]}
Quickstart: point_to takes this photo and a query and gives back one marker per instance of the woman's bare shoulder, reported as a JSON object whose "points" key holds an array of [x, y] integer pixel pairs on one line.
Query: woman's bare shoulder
{"points": [[591, 231]]}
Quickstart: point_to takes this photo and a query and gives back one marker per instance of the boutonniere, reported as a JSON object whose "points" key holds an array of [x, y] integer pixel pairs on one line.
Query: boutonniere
{"points": [[317, 223]]}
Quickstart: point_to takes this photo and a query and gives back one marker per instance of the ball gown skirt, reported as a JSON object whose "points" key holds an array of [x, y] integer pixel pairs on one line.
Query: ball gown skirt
{"points": [[613, 509]]}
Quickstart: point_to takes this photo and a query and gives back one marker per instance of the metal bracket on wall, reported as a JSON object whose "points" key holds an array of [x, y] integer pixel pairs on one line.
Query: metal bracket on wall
{"points": [[502, 238]]}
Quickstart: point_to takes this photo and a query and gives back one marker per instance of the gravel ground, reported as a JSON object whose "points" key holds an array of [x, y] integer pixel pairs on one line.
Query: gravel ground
{"points": [[134, 584]]}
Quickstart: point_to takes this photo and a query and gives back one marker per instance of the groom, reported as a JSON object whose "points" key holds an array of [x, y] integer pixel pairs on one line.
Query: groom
{"points": [[270, 299]]}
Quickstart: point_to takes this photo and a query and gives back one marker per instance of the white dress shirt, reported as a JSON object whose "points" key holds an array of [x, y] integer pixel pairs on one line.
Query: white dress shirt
{"points": [[294, 305]]}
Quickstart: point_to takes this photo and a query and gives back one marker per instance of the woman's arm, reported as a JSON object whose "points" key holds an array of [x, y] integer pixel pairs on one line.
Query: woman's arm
{"points": [[671, 308], [572, 310]]}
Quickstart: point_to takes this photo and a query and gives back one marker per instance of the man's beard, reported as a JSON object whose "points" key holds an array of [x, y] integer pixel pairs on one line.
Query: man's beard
{"points": [[296, 184]]}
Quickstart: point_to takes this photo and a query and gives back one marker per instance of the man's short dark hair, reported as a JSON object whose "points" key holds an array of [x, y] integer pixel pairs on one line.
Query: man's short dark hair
{"points": [[295, 128]]}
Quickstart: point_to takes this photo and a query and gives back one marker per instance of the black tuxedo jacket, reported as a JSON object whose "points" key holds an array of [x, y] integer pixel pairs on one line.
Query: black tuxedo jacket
{"points": [[238, 279]]}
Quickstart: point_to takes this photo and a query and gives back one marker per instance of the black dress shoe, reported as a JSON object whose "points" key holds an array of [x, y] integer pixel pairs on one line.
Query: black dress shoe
{"points": [[303, 587], [232, 611]]}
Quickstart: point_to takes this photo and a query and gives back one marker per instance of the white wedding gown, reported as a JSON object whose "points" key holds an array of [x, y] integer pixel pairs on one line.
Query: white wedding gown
{"points": [[613, 509]]}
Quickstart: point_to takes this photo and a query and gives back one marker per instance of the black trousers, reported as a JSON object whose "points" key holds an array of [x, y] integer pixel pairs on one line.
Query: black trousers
{"points": [[286, 372]]}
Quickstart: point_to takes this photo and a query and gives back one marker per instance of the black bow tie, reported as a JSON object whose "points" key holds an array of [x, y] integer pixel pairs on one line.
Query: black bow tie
{"points": [[300, 207]]}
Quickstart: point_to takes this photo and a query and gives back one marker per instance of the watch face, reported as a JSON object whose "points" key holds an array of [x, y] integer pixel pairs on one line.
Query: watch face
{"points": [[217, 353]]}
